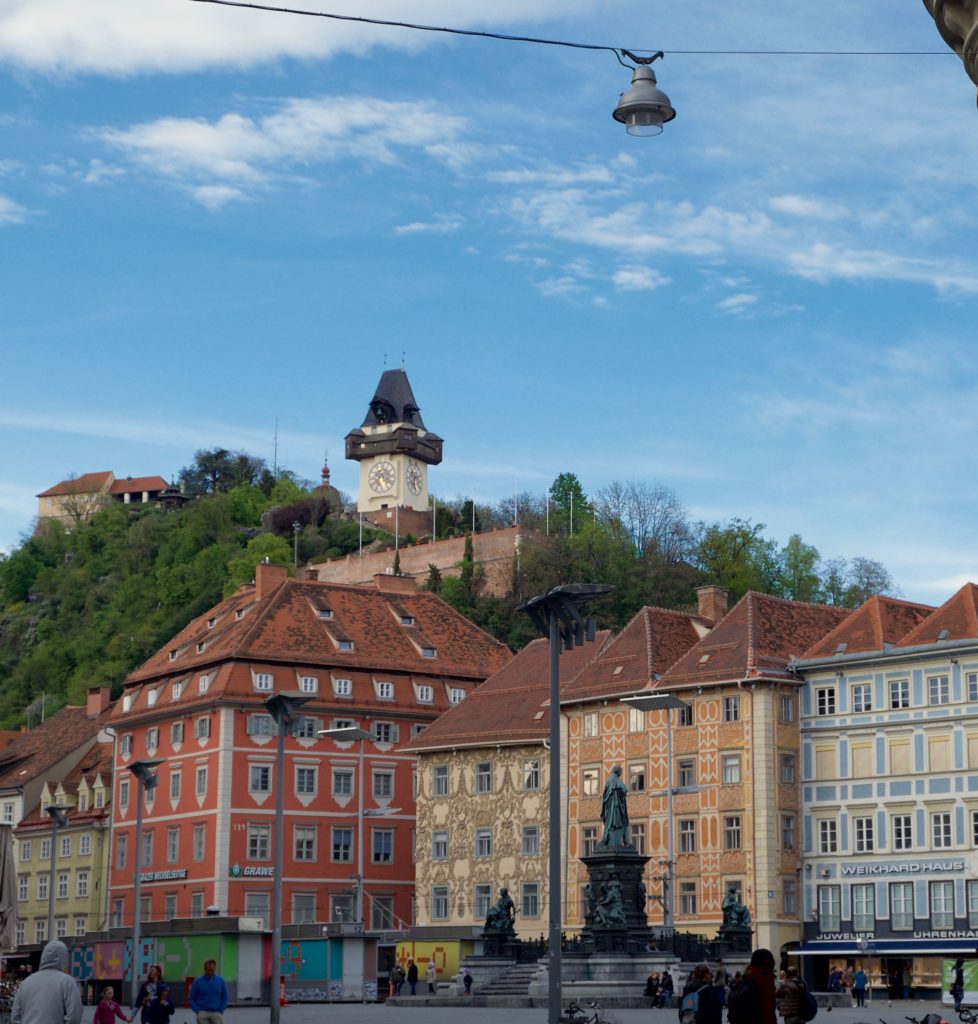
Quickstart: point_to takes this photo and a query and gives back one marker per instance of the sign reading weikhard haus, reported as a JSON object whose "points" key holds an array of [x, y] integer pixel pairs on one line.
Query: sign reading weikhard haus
{"points": [[904, 868]]}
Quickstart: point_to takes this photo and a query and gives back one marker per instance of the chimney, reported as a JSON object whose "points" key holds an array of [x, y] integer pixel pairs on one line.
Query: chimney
{"points": [[98, 701], [391, 584], [712, 602], [269, 577], [312, 574]]}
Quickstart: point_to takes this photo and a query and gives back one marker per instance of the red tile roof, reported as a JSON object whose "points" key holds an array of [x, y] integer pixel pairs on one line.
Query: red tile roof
{"points": [[958, 616], [87, 483], [756, 639], [36, 752], [286, 631], [96, 762], [654, 640], [509, 707], [134, 484], [878, 621]]}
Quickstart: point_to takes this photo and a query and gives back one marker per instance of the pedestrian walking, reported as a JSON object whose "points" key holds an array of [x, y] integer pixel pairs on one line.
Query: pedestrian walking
{"points": [[108, 1009], [209, 995], [467, 980], [790, 995], [957, 984], [146, 994], [431, 976], [50, 994], [412, 977], [859, 987]]}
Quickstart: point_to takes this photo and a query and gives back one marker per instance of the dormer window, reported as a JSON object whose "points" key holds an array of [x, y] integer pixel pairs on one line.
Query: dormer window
{"points": [[325, 613], [99, 798], [308, 684], [263, 680], [152, 696], [173, 654], [127, 702], [176, 690], [201, 647], [456, 695], [425, 694], [82, 800], [239, 614], [343, 687], [203, 684], [407, 620], [428, 652], [212, 622], [345, 645], [385, 691]]}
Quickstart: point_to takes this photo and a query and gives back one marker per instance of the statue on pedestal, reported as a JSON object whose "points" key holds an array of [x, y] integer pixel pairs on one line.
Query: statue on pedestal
{"points": [[735, 914], [502, 917], [614, 810], [609, 912]]}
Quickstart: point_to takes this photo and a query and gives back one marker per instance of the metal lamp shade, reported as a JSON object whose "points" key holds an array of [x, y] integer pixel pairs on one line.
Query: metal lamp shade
{"points": [[644, 108]]}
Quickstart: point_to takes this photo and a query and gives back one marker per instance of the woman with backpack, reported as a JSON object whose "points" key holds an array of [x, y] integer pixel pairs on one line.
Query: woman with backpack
{"points": [[700, 1003]]}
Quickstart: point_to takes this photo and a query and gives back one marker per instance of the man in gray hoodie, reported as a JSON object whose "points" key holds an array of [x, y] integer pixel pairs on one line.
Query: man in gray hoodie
{"points": [[50, 996]]}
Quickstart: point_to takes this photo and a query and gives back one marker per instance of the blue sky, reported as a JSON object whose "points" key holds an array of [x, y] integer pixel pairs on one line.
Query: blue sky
{"points": [[213, 217]]}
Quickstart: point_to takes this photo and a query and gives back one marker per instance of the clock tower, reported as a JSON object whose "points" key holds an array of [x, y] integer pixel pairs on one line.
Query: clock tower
{"points": [[393, 448]]}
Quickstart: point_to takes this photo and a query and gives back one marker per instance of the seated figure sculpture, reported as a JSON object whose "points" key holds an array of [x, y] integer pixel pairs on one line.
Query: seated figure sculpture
{"points": [[502, 917], [735, 914]]}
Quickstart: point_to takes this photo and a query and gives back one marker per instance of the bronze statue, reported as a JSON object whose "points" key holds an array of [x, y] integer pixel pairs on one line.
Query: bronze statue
{"points": [[610, 909], [642, 896], [735, 914], [502, 916], [614, 810]]}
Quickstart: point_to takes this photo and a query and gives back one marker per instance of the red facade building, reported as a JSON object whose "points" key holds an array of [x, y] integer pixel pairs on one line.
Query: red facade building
{"points": [[384, 658]]}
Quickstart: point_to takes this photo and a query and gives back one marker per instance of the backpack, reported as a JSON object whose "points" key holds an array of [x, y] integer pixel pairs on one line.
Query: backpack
{"points": [[743, 1004], [689, 1008], [809, 1005]]}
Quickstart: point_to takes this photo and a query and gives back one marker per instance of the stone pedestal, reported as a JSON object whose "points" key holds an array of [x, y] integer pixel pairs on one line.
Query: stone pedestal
{"points": [[630, 935], [732, 940], [500, 944]]}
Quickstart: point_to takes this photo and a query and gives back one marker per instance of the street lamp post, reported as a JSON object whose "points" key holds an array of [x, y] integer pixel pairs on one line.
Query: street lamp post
{"points": [[282, 707], [664, 702], [146, 780], [557, 614], [59, 819]]}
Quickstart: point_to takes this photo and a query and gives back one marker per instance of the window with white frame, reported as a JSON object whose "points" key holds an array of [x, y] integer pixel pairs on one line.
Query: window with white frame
{"points": [[482, 901], [940, 825], [176, 690], [259, 842], [263, 680], [170, 906], [25, 850], [382, 845], [589, 781], [731, 709], [636, 720], [172, 845], [384, 732], [864, 908], [901, 906], [828, 836], [42, 886], [787, 708], [260, 725], [530, 842], [85, 845], [426, 694], [687, 835], [121, 841], [732, 832], [383, 782], [531, 773], [343, 687], [439, 846], [340, 907], [200, 842], [636, 777], [152, 696], [20, 934], [429, 652], [176, 732], [382, 913], [787, 764], [789, 896], [260, 778], [825, 700], [64, 848], [303, 907], [787, 832], [942, 905], [342, 782], [483, 842], [202, 728], [439, 903], [203, 683], [175, 778], [82, 801], [829, 907], [862, 697], [590, 724], [863, 829], [974, 828], [902, 832], [483, 777], [899, 694], [938, 690], [589, 839], [730, 765], [972, 898], [23, 888], [530, 899], [257, 905], [972, 680], [456, 694], [686, 772], [308, 684], [637, 835], [125, 744], [385, 690], [201, 780], [307, 728], [687, 715], [687, 899], [80, 926], [305, 780], [440, 780], [40, 931], [147, 849], [304, 842], [123, 799], [45, 851]]}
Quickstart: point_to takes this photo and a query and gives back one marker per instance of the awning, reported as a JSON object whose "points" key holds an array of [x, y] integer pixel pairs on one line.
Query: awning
{"points": [[888, 947]]}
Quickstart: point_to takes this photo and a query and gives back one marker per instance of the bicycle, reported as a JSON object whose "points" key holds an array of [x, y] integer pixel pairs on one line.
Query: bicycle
{"points": [[573, 1014], [967, 1016]]}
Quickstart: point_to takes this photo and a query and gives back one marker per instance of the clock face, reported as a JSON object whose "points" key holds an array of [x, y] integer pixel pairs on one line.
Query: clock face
{"points": [[415, 480], [382, 477]]}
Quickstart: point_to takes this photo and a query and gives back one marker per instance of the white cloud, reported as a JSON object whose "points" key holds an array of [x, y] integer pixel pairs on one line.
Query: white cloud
{"points": [[99, 172], [216, 197], [808, 206], [11, 212], [237, 155], [638, 279], [438, 227], [736, 303]]}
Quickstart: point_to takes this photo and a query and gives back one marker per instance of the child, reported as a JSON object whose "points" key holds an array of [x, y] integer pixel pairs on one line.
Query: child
{"points": [[108, 1009], [161, 1009], [467, 981]]}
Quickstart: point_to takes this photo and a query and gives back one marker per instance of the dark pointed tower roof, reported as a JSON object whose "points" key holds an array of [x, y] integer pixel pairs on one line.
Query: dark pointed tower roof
{"points": [[393, 402]]}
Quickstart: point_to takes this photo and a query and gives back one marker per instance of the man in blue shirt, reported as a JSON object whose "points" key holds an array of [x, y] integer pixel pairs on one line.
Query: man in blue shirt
{"points": [[209, 995]]}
